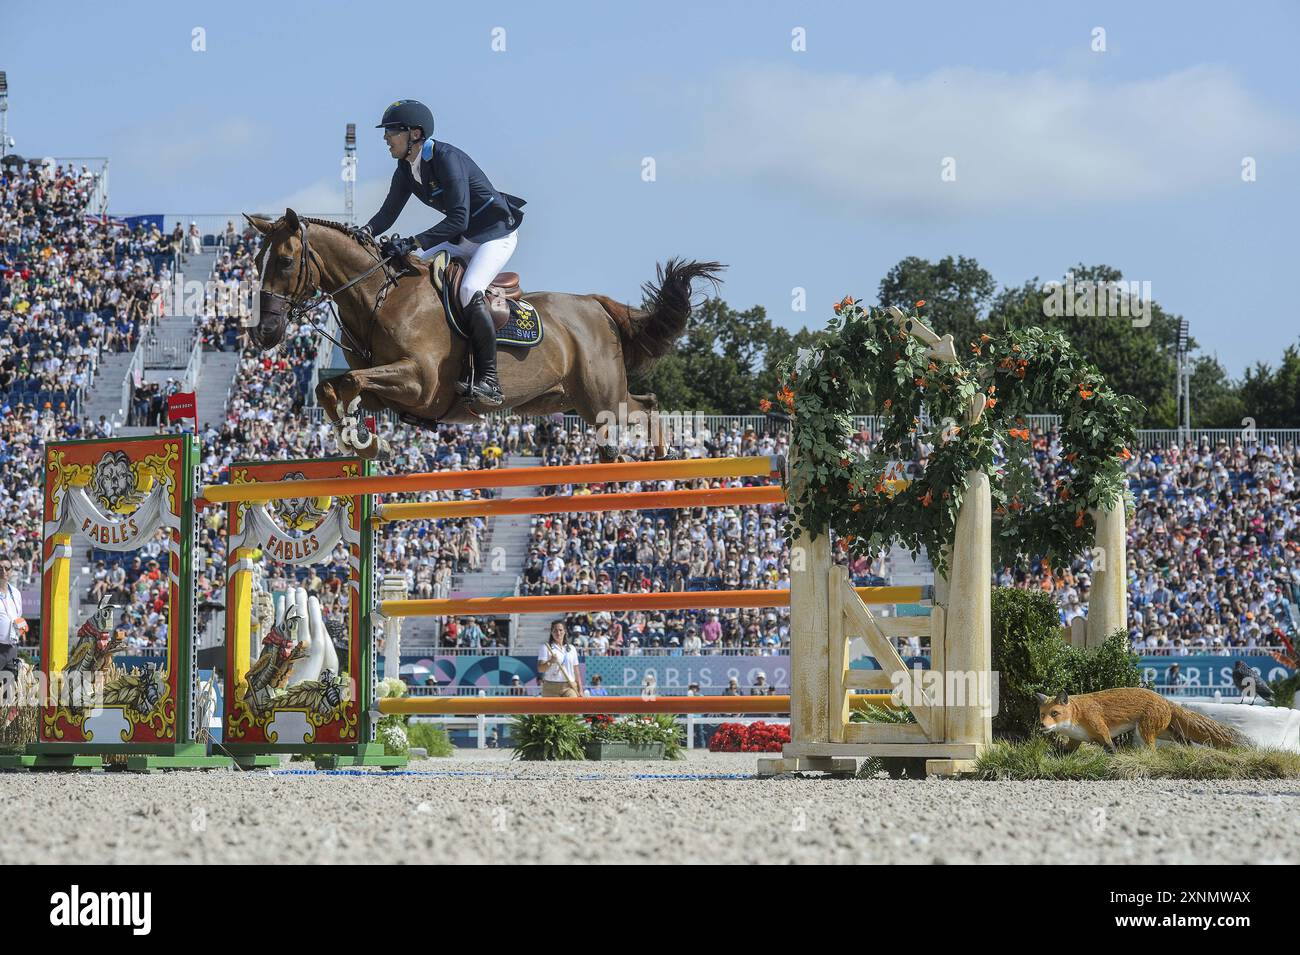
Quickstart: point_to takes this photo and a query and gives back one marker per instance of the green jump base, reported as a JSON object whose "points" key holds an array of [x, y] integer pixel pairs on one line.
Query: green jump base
{"points": [[256, 760], [366, 754], [91, 757]]}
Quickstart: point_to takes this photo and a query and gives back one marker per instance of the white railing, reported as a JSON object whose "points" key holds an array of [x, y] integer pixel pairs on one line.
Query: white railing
{"points": [[98, 165], [171, 350], [214, 223], [194, 368], [1164, 437], [134, 370], [324, 352]]}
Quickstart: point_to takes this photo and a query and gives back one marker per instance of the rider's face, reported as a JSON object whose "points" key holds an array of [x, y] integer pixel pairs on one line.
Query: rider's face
{"points": [[398, 141]]}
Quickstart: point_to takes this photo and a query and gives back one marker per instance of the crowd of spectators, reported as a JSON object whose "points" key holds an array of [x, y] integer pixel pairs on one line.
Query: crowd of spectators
{"points": [[702, 548], [1212, 547], [73, 286]]}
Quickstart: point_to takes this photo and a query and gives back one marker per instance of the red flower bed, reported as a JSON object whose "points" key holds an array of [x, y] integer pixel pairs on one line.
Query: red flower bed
{"points": [[757, 737]]}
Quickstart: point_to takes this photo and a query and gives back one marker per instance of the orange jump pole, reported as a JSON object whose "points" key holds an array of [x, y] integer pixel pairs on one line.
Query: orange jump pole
{"points": [[475, 705], [566, 504], [676, 470], [670, 600]]}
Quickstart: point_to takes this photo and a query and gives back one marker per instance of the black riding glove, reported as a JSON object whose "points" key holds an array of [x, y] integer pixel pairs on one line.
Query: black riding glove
{"points": [[400, 247]]}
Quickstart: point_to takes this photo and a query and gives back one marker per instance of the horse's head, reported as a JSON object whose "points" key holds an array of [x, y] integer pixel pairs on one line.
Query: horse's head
{"points": [[286, 275]]}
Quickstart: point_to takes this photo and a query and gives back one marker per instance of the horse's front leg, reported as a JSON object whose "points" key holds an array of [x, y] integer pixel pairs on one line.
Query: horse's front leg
{"points": [[394, 386]]}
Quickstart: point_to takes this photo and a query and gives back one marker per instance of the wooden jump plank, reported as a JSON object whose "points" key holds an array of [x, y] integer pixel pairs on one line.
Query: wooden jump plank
{"points": [[860, 679], [885, 733]]}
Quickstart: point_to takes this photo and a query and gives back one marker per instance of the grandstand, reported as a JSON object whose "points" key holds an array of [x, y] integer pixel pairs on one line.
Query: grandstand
{"points": [[97, 329]]}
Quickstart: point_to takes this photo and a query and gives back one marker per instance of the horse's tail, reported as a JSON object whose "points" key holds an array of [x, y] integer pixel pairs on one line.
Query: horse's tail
{"points": [[649, 333]]}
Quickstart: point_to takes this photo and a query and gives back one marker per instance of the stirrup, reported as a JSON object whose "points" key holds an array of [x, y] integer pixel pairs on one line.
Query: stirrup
{"points": [[483, 396]]}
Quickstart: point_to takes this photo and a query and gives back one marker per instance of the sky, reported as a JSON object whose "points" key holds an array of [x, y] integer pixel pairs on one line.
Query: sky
{"points": [[804, 145]]}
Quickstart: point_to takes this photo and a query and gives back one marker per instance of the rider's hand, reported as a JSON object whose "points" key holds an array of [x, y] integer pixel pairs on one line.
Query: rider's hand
{"points": [[401, 247]]}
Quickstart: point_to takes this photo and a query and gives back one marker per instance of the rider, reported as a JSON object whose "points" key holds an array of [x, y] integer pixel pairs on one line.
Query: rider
{"points": [[479, 227]]}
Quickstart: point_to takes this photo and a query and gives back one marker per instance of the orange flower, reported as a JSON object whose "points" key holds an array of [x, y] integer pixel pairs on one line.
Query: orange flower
{"points": [[845, 462], [928, 499], [933, 367], [836, 308], [1072, 455], [1078, 521], [888, 402], [857, 507], [764, 404], [1085, 392], [993, 389], [975, 348], [920, 303], [985, 338], [1125, 453], [919, 382], [990, 403], [1021, 433], [1065, 493]]}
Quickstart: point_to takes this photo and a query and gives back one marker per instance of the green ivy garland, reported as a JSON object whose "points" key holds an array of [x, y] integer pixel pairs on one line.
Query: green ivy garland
{"points": [[868, 359]]}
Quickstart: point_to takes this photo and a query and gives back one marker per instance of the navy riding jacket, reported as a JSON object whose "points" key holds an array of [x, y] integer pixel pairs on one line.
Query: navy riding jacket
{"points": [[455, 186]]}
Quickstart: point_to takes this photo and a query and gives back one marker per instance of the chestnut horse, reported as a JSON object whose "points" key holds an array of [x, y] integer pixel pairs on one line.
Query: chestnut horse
{"points": [[404, 356]]}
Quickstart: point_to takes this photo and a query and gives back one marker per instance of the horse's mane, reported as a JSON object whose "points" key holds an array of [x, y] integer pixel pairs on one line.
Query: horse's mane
{"points": [[329, 224], [348, 231]]}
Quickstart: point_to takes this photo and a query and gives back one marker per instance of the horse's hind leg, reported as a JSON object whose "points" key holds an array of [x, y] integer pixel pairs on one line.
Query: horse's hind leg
{"points": [[394, 386], [646, 409]]}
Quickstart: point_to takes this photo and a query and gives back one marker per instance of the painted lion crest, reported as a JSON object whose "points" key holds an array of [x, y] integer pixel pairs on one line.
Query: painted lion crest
{"points": [[113, 480], [298, 512]]}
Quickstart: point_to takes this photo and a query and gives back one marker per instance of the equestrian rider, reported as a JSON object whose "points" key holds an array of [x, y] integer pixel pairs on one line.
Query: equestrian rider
{"points": [[479, 227]]}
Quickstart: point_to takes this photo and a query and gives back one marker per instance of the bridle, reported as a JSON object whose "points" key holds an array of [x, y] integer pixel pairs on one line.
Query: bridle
{"points": [[307, 295]]}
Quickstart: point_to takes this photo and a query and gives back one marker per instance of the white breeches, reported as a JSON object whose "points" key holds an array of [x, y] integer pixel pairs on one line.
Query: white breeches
{"points": [[483, 262]]}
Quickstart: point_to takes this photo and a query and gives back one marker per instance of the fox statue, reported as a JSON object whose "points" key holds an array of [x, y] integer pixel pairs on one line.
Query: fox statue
{"points": [[1099, 717]]}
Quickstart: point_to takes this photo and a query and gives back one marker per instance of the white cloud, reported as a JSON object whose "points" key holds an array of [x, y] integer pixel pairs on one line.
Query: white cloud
{"points": [[175, 146], [875, 143], [325, 197]]}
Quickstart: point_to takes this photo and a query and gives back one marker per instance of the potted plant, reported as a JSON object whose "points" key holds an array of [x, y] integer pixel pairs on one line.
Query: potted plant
{"points": [[637, 737]]}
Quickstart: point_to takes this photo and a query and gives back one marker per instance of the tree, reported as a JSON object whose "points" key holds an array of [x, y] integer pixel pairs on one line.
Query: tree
{"points": [[725, 364]]}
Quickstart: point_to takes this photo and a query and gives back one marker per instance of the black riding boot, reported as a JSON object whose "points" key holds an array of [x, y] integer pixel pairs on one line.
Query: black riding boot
{"points": [[485, 393]]}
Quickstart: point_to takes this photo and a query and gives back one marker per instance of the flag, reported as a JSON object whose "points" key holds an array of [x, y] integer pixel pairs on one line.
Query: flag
{"points": [[182, 405]]}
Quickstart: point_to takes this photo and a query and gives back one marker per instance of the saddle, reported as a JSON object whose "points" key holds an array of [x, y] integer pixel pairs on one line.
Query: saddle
{"points": [[447, 273]]}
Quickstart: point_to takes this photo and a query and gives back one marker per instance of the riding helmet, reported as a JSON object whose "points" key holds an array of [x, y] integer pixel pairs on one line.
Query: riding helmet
{"points": [[408, 113]]}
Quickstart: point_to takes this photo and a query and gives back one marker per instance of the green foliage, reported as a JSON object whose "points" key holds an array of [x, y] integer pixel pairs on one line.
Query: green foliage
{"points": [[1284, 690], [1042, 758], [639, 730], [868, 357], [393, 736], [874, 713], [566, 737], [1030, 656], [549, 737], [430, 737], [726, 364]]}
